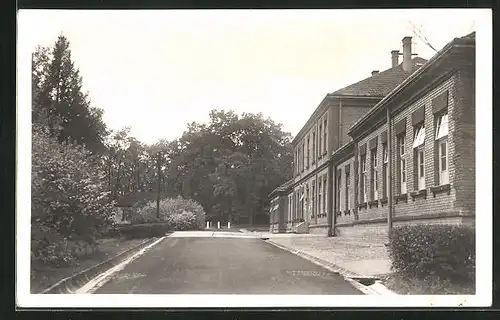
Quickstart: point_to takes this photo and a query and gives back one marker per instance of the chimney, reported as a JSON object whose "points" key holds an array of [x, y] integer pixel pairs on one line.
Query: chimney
{"points": [[407, 64], [395, 58], [374, 72]]}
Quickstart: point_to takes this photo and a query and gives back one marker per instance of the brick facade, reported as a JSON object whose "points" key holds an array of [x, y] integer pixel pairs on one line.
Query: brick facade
{"points": [[438, 172]]}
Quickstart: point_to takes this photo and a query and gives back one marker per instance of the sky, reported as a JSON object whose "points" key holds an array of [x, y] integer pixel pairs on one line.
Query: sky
{"points": [[156, 71]]}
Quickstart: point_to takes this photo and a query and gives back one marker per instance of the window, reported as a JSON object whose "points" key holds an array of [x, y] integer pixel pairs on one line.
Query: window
{"points": [[443, 162], [374, 175], [319, 137], [302, 195], [324, 194], [442, 147], [419, 136], [306, 200], [347, 188], [402, 164], [314, 148], [313, 198], [363, 178], [303, 156], [297, 160], [319, 196], [307, 163], [385, 169], [325, 136], [418, 145], [420, 169], [339, 187], [442, 126]]}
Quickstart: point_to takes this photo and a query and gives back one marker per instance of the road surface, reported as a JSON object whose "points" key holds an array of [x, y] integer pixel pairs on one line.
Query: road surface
{"points": [[222, 263]]}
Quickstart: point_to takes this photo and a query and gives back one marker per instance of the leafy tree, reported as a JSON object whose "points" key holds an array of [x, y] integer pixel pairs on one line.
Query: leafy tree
{"points": [[231, 164]]}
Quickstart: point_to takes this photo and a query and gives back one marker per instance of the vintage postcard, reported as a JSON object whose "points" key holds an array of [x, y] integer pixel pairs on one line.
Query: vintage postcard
{"points": [[254, 158]]}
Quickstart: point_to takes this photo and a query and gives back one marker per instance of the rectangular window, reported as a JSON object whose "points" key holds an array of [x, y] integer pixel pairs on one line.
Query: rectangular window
{"points": [[374, 175], [319, 137], [442, 126], [306, 201], [419, 136], [324, 194], [363, 178], [420, 169], [313, 199], [303, 156], [443, 162], [385, 170], [347, 189], [307, 159], [402, 164], [314, 148], [319, 196], [442, 147], [339, 187], [325, 136]]}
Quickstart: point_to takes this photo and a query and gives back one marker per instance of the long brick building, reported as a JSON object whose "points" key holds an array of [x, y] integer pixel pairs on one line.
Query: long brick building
{"points": [[398, 145]]}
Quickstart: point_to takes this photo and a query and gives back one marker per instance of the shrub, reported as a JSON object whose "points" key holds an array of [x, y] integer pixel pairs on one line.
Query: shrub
{"points": [[444, 251], [178, 213], [69, 197]]}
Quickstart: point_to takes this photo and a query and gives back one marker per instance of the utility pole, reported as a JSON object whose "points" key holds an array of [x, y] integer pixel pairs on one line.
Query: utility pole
{"points": [[159, 184]]}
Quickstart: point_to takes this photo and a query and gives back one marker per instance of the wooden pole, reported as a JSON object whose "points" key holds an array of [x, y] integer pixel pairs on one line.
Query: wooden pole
{"points": [[159, 184]]}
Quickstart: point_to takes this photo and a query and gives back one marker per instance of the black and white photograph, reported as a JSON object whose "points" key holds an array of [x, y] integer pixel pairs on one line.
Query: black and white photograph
{"points": [[254, 158]]}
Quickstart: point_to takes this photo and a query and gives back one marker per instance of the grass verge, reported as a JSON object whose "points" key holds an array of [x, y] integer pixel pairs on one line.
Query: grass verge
{"points": [[43, 277], [429, 286]]}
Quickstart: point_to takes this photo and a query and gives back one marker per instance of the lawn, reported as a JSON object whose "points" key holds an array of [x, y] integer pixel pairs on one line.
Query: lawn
{"points": [[43, 277], [430, 286]]}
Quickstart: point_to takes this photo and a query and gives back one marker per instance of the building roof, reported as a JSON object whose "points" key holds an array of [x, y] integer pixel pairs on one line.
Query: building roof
{"points": [[380, 84], [376, 86], [284, 187], [466, 40]]}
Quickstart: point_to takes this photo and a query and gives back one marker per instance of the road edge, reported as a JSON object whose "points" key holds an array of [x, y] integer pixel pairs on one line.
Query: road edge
{"points": [[377, 289], [72, 283]]}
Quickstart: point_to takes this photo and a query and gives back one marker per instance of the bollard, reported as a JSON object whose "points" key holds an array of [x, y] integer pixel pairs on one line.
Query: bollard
{"points": [[229, 225], [218, 224]]}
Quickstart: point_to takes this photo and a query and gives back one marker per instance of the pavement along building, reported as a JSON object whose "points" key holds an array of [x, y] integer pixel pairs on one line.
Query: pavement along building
{"points": [[398, 145]]}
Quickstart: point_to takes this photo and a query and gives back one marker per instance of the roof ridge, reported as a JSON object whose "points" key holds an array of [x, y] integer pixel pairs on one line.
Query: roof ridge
{"points": [[390, 77]]}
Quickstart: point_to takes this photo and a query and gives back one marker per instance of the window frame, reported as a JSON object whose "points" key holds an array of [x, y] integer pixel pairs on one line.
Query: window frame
{"points": [[347, 188], [385, 170], [374, 174], [325, 135], [403, 174], [443, 173], [363, 178]]}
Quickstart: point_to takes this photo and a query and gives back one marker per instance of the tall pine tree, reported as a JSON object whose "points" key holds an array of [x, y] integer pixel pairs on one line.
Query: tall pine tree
{"points": [[58, 100]]}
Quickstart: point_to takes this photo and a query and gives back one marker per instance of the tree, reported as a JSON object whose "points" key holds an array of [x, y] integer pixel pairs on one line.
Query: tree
{"points": [[231, 164], [58, 99]]}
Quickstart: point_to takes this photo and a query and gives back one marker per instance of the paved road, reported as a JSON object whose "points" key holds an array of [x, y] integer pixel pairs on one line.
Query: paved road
{"points": [[220, 263]]}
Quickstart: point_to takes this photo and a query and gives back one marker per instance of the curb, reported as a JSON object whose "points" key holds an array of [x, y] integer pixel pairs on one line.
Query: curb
{"points": [[71, 283], [376, 289]]}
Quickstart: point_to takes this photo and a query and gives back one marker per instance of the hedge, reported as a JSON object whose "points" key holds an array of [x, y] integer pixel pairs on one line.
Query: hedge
{"points": [[445, 251], [146, 230]]}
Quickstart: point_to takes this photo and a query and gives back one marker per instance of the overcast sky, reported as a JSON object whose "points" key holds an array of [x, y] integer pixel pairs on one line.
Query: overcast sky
{"points": [[158, 70]]}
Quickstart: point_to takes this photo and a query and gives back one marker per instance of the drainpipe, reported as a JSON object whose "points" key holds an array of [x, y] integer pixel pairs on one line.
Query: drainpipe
{"points": [[389, 154], [334, 195], [356, 181], [330, 199]]}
